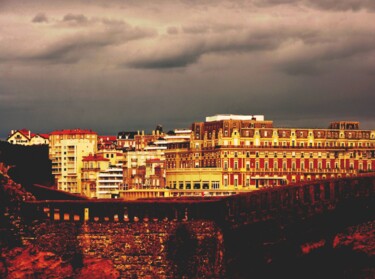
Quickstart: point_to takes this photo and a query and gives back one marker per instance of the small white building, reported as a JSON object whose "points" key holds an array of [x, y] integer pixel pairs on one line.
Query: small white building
{"points": [[25, 137]]}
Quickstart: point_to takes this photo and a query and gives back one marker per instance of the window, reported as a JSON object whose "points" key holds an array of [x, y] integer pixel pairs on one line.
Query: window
{"points": [[188, 185], [197, 185], [235, 165], [225, 181], [235, 181], [225, 165], [215, 184], [247, 183]]}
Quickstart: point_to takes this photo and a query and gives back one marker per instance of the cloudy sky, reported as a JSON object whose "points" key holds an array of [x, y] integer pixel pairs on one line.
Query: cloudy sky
{"points": [[130, 65]]}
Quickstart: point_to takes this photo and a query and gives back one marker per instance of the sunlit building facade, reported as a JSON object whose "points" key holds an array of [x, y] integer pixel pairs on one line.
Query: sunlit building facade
{"points": [[240, 152], [66, 151], [92, 166]]}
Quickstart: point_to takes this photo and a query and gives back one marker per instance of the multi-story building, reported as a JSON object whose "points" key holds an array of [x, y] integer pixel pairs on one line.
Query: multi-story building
{"points": [[240, 152], [110, 182], [135, 166], [138, 140], [154, 176], [92, 166], [66, 151]]}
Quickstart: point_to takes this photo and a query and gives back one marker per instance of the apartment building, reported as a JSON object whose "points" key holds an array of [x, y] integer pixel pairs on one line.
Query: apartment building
{"points": [[67, 148]]}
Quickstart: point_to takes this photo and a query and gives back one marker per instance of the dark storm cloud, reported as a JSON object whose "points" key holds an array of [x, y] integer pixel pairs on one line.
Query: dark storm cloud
{"points": [[314, 63], [172, 30], [39, 18], [330, 5], [171, 60], [74, 48], [78, 18], [196, 29], [343, 5], [184, 53]]}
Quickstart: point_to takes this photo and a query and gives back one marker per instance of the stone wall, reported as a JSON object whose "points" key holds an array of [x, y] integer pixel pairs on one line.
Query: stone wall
{"points": [[153, 249]]}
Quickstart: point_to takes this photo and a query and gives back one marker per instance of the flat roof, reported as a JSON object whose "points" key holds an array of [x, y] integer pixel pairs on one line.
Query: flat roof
{"points": [[219, 117]]}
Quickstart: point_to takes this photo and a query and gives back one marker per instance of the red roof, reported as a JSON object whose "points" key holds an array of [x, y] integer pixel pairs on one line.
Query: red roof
{"points": [[25, 132], [107, 138], [46, 136], [94, 158], [73, 132]]}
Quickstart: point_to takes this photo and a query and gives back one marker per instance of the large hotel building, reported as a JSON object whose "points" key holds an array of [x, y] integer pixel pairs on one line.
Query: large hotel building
{"points": [[240, 152]]}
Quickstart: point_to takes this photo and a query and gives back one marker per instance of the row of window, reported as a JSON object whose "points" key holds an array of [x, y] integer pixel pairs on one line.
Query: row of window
{"points": [[188, 185]]}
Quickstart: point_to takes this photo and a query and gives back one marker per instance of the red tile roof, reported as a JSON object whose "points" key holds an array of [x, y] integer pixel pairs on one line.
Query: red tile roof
{"points": [[107, 138], [46, 136], [74, 132], [94, 158], [25, 132]]}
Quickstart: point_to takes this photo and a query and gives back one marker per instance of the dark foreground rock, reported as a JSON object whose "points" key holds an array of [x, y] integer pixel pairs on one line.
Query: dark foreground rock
{"points": [[29, 262]]}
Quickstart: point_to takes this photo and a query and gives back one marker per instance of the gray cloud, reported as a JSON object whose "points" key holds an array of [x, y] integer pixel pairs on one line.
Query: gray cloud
{"points": [[182, 54], [172, 30], [339, 5], [77, 18], [181, 58], [39, 18], [77, 47], [331, 5], [196, 29], [315, 62]]}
